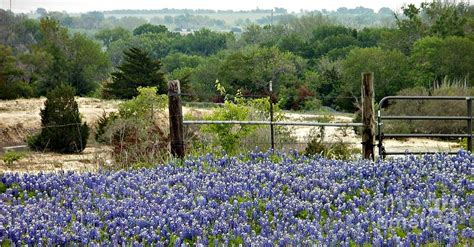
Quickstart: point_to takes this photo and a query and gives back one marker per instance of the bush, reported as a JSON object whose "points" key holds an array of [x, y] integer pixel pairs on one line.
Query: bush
{"points": [[138, 133], [317, 146], [101, 126], [429, 108], [233, 138], [12, 156], [62, 129]]}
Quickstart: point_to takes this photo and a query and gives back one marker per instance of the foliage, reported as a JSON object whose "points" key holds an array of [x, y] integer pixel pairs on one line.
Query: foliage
{"points": [[138, 70], [11, 85], [317, 144], [12, 156], [251, 70], [76, 60], [107, 36], [203, 42], [435, 18], [429, 108], [61, 127], [390, 70], [101, 126], [228, 135], [177, 60], [89, 65], [149, 28], [257, 198], [138, 133], [157, 46], [435, 59]]}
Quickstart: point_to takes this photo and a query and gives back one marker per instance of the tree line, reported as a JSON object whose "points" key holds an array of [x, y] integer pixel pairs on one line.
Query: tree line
{"points": [[311, 59]]}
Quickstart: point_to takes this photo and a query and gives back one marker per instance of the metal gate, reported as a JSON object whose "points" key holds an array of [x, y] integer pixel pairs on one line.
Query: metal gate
{"points": [[381, 135]]}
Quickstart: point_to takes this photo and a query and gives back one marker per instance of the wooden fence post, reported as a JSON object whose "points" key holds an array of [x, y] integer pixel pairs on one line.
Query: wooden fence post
{"points": [[176, 119], [368, 116]]}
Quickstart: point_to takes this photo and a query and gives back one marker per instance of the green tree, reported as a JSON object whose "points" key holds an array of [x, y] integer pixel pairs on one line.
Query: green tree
{"points": [[328, 83], [436, 18], [446, 18], [390, 72], [89, 64], [54, 41], [62, 129], [11, 85], [203, 42], [178, 60], [137, 70], [75, 60], [107, 36], [149, 28], [157, 46], [435, 60], [251, 69]]}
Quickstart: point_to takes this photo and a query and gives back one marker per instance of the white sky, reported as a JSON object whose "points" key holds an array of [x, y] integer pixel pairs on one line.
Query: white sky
{"points": [[75, 6]]}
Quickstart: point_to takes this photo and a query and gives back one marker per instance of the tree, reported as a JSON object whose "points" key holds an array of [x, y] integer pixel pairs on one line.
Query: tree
{"points": [[436, 59], [62, 129], [331, 38], [89, 64], [251, 70], [107, 36], [149, 28], [137, 70], [327, 84], [91, 20], [54, 41], [437, 18], [390, 72], [41, 11], [179, 60], [203, 42], [156, 45], [11, 85], [75, 60]]}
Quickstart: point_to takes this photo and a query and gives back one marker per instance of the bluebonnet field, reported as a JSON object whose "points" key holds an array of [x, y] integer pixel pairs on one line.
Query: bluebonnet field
{"points": [[260, 198]]}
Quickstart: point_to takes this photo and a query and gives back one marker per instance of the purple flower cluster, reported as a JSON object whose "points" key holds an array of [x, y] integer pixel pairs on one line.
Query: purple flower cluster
{"points": [[261, 198]]}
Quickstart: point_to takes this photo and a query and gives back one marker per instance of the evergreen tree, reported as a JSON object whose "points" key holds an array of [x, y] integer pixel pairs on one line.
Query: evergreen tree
{"points": [[137, 70], [62, 128]]}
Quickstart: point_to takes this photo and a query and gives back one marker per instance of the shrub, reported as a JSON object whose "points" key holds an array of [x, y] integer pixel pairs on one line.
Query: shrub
{"points": [[101, 126], [429, 108], [62, 129], [138, 133], [234, 138], [229, 135], [317, 146], [12, 156]]}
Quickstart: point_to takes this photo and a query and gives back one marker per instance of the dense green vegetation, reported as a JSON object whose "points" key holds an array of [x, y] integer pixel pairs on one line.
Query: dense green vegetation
{"points": [[62, 129], [313, 60]]}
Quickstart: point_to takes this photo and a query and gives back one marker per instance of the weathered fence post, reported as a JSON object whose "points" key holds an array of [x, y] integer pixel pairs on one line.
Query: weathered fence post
{"points": [[469, 124], [272, 131], [368, 116], [176, 119]]}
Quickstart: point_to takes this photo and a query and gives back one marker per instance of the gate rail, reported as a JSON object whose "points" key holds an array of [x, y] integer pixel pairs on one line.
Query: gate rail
{"points": [[468, 118]]}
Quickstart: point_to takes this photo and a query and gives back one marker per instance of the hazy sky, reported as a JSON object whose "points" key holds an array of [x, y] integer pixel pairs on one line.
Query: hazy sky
{"points": [[292, 5]]}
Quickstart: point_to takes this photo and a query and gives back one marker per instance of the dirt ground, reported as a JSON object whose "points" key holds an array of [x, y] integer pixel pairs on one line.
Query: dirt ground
{"points": [[20, 118]]}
